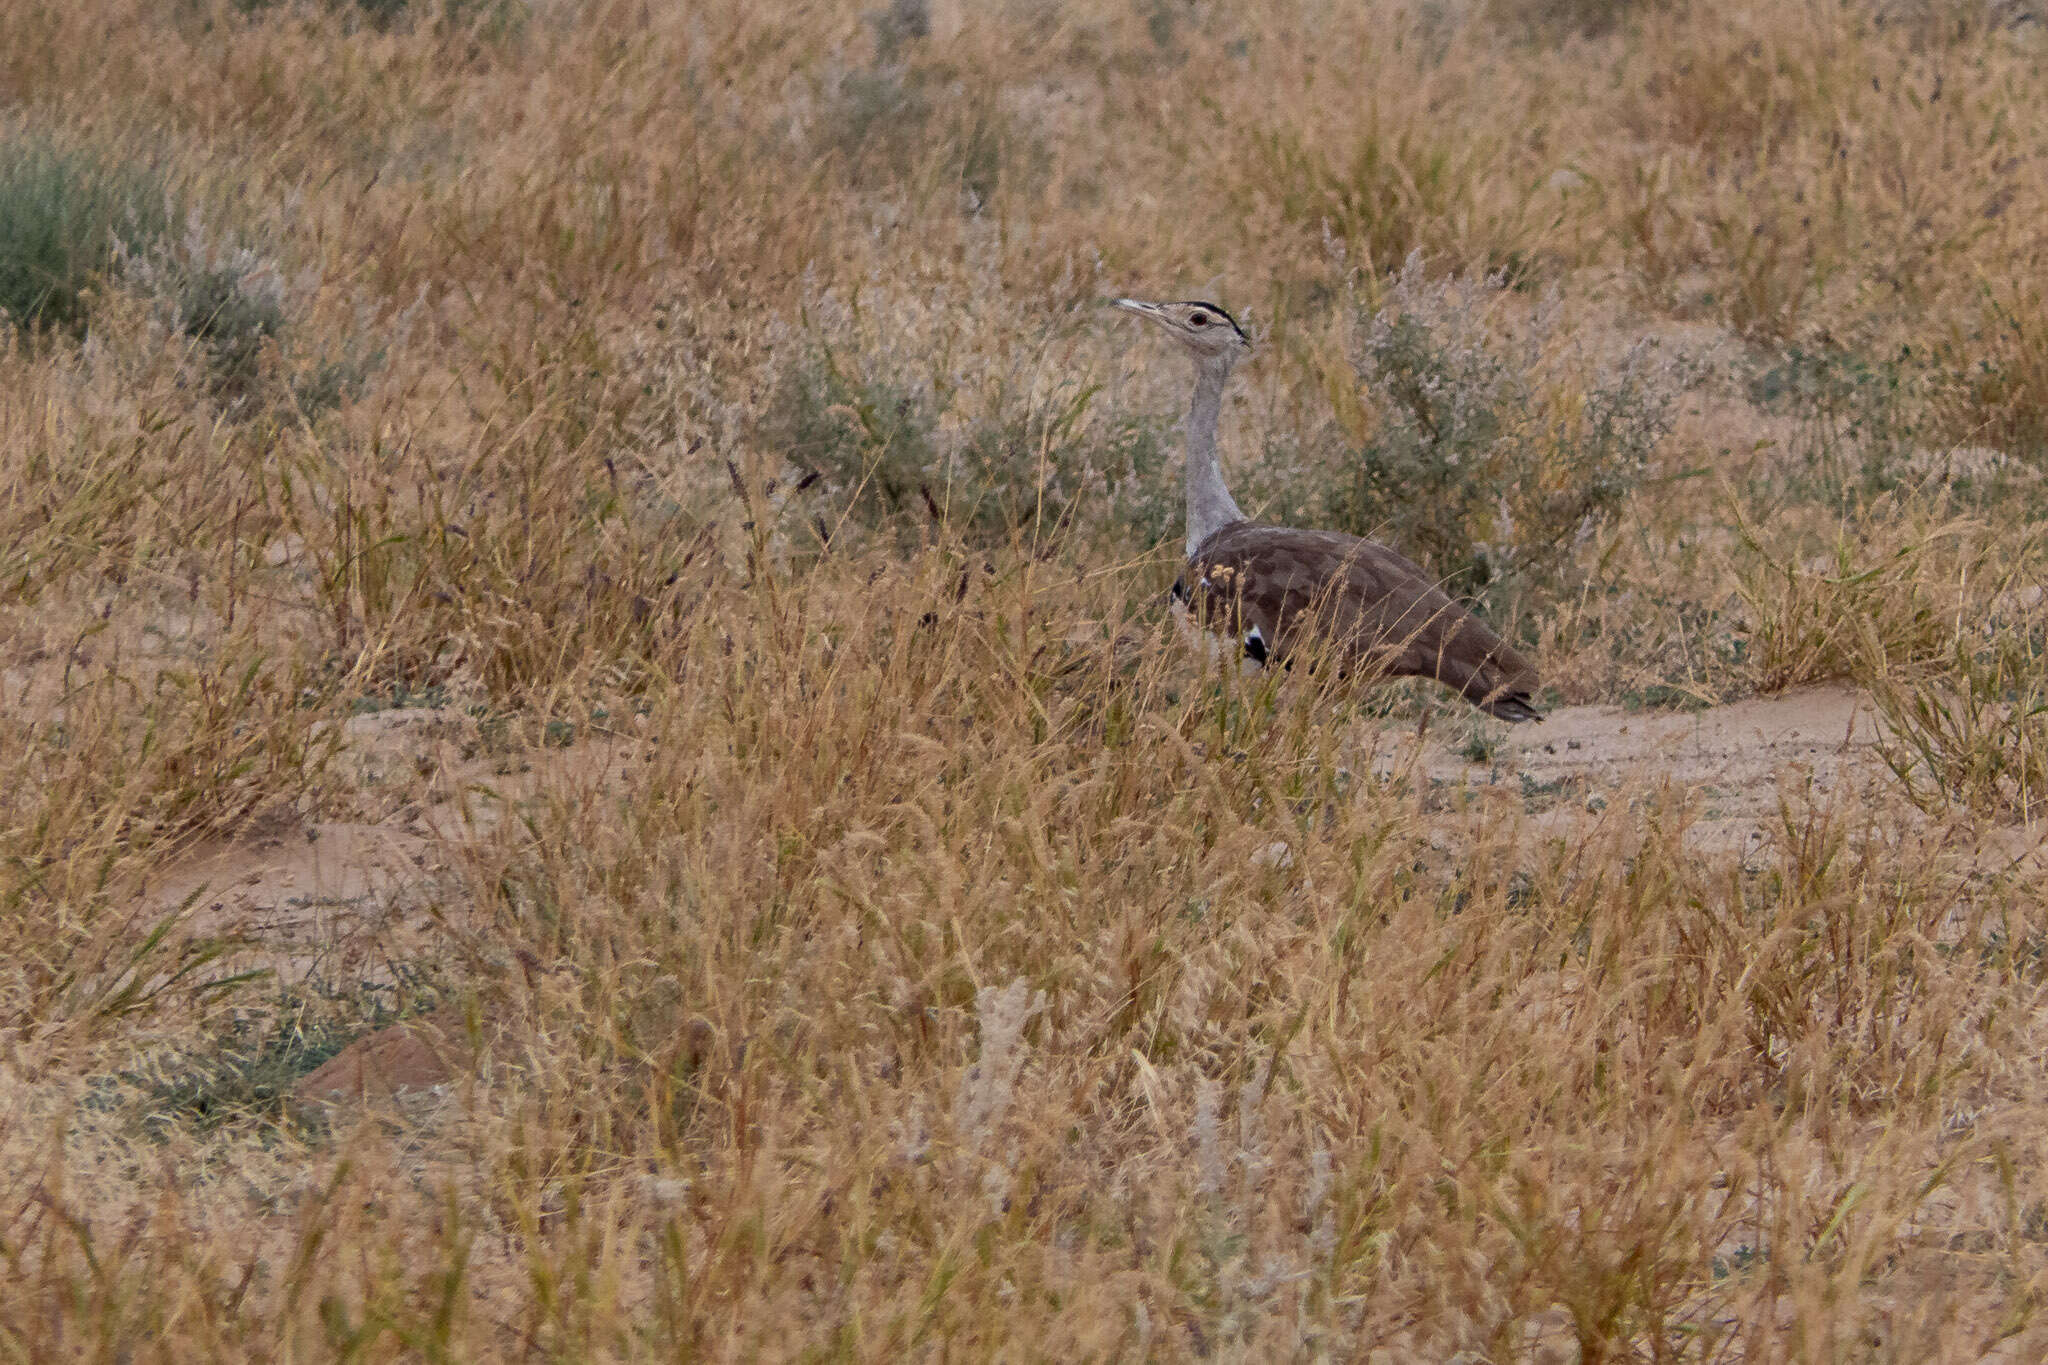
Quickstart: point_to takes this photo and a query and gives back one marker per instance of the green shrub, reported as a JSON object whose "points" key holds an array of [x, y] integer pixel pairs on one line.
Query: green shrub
{"points": [[73, 220], [1038, 471], [236, 306], [331, 382], [873, 438], [232, 313], [1476, 468], [897, 28], [1030, 467], [68, 214], [1915, 418]]}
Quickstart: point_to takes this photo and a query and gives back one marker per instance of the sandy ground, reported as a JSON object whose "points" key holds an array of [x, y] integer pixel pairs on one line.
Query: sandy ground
{"points": [[345, 900], [313, 898], [1735, 753], [1739, 760]]}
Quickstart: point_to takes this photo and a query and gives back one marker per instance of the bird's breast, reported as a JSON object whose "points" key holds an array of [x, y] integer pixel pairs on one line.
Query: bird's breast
{"points": [[1214, 647]]}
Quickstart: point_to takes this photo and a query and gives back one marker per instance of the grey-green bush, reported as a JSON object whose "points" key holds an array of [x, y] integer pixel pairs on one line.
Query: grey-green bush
{"points": [[223, 295], [871, 437], [1038, 468], [68, 214], [1467, 472]]}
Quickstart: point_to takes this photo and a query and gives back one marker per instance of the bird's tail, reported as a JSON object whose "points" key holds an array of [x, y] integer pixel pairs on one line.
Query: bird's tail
{"points": [[1513, 706]]}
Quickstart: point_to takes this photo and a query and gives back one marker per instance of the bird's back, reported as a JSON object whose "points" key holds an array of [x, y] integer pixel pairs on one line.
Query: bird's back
{"points": [[1285, 592]]}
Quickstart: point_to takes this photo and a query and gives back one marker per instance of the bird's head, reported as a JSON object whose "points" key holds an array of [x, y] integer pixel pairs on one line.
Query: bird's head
{"points": [[1204, 330]]}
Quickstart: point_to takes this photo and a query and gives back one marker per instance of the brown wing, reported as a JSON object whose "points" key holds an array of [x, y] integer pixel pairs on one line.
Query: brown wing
{"points": [[1284, 592]]}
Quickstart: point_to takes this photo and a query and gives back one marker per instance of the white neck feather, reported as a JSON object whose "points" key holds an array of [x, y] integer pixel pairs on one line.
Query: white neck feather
{"points": [[1210, 506]]}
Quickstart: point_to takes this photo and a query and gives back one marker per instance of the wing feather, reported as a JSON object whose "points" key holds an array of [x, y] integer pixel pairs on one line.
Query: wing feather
{"points": [[1306, 592]]}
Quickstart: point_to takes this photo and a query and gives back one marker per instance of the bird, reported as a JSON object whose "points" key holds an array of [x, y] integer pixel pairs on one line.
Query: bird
{"points": [[1277, 593]]}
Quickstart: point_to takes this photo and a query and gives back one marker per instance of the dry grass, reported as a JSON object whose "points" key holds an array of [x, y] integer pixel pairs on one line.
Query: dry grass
{"points": [[665, 472]]}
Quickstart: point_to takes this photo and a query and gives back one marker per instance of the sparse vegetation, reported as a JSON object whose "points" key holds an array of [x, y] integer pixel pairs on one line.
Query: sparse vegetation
{"points": [[637, 515], [2004, 400], [1974, 734], [1836, 616]]}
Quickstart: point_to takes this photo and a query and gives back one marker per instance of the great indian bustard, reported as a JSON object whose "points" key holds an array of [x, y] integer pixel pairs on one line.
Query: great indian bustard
{"points": [[1279, 592]]}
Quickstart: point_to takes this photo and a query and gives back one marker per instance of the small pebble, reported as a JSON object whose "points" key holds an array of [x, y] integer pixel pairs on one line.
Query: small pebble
{"points": [[1275, 854]]}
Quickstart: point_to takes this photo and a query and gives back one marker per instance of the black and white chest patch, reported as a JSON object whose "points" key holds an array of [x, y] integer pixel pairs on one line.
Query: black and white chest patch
{"points": [[1180, 603]]}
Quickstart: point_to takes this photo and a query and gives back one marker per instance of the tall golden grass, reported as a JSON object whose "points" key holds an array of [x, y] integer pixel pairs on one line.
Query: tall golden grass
{"points": [[880, 941]]}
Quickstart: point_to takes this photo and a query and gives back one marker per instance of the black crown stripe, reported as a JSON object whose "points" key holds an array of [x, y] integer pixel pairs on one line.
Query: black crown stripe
{"points": [[1219, 312]]}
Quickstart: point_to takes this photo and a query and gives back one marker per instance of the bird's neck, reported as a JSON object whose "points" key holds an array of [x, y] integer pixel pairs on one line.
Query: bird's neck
{"points": [[1210, 506]]}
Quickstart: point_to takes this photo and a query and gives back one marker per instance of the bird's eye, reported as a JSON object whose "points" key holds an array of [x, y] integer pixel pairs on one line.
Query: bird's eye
{"points": [[1198, 319]]}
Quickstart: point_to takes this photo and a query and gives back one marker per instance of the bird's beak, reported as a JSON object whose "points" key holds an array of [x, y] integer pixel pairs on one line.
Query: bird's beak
{"points": [[1141, 308]]}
